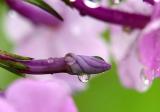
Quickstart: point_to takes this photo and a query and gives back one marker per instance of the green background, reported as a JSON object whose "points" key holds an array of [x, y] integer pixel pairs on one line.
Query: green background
{"points": [[105, 93]]}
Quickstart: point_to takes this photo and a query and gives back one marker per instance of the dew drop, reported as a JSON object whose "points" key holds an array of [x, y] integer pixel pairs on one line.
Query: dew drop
{"points": [[144, 78], [157, 1], [72, 0], [92, 3], [50, 60], [84, 78], [116, 1], [70, 60]]}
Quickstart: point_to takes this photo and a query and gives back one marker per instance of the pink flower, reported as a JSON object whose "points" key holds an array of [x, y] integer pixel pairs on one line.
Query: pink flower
{"points": [[28, 95], [124, 49], [149, 44], [77, 34]]}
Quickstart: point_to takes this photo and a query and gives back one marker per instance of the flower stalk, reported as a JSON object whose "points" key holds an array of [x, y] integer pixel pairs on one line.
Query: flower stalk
{"points": [[71, 63], [132, 20]]}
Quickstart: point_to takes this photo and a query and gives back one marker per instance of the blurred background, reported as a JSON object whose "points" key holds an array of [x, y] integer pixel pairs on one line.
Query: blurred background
{"points": [[104, 93]]}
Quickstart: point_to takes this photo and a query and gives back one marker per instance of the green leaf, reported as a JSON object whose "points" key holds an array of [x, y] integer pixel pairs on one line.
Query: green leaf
{"points": [[43, 5]]}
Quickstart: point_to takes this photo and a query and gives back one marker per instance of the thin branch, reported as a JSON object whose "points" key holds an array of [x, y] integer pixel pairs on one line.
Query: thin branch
{"points": [[132, 20]]}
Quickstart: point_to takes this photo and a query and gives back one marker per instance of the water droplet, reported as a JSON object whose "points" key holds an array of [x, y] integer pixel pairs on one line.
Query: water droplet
{"points": [[72, 0], [144, 78], [157, 1], [70, 60], [116, 1], [84, 78], [50, 60], [92, 3]]}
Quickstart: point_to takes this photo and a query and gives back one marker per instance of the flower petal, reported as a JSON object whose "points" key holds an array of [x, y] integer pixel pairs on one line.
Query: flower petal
{"points": [[69, 106], [131, 71], [149, 52], [37, 96], [5, 106]]}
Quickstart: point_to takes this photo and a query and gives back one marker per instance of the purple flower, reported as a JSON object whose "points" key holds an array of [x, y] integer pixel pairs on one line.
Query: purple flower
{"points": [[138, 63], [138, 59], [70, 63], [148, 44], [124, 48], [79, 35], [86, 64], [28, 95]]}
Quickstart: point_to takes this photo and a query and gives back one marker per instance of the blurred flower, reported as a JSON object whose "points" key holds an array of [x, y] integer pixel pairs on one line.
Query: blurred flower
{"points": [[28, 95], [130, 67], [79, 35], [149, 43], [137, 64]]}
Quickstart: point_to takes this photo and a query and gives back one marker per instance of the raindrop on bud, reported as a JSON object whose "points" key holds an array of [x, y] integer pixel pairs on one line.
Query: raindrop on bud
{"points": [[50, 60], [84, 78]]}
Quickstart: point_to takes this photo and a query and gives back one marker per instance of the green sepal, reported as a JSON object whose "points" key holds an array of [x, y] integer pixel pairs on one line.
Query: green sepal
{"points": [[12, 64], [12, 70], [14, 56], [43, 5]]}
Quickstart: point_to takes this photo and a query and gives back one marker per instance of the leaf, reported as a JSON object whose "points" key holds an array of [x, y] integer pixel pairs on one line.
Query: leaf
{"points": [[43, 5]]}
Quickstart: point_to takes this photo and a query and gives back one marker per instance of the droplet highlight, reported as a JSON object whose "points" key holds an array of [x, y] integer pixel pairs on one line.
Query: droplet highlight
{"points": [[84, 78], [92, 3], [72, 0], [144, 78], [50, 60], [156, 1], [70, 60], [116, 1]]}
